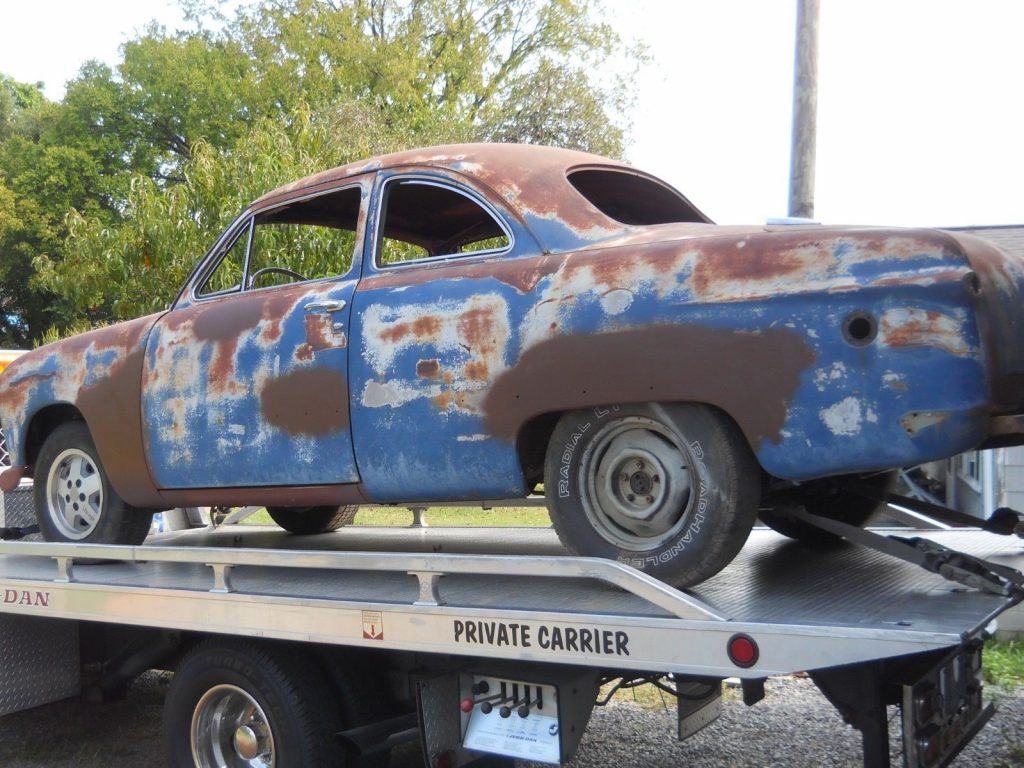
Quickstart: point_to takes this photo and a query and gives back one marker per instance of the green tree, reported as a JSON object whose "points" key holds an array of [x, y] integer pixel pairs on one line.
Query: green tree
{"points": [[166, 229], [112, 194]]}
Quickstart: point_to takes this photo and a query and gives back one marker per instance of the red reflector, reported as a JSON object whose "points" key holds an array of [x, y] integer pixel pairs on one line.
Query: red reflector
{"points": [[743, 651], [466, 705]]}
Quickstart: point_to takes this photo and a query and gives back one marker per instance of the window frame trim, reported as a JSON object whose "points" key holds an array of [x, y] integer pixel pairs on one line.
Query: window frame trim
{"points": [[247, 221], [243, 229], [470, 194]]}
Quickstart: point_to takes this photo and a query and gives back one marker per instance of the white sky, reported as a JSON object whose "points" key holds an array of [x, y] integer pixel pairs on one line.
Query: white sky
{"points": [[919, 115]]}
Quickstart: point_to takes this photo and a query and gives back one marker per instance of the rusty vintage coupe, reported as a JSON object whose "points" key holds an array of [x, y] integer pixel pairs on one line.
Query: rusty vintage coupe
{"points": [[466, 322]]}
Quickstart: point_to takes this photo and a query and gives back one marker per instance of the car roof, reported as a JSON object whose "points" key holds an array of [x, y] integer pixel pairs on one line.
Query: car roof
{"points": [[531, 179]]}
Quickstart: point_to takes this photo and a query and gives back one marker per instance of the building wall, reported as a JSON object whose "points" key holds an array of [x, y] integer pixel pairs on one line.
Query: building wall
{"points": [[1011, 464]]}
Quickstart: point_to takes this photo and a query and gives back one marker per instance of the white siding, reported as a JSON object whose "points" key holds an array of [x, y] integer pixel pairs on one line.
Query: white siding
{"points": [[1011, 466]]}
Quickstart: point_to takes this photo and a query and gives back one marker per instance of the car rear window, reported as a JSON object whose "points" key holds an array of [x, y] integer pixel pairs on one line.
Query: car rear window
{"points": [[630, 198]]}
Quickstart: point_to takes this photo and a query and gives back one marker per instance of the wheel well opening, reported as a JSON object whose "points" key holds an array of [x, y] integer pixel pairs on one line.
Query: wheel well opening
{"points": [[43, 424], [532, 446]]}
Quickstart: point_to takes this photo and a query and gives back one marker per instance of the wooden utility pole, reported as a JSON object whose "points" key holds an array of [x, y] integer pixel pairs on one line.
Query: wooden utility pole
{"points": [[805, 111]]}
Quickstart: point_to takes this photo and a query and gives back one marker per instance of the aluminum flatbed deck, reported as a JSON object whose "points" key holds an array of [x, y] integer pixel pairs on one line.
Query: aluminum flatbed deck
{"points": [[513, 594]]}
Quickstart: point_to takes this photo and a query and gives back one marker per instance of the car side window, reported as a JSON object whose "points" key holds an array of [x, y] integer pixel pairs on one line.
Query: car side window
{"points": [[227, 276], [423, 219], [308, 239]]}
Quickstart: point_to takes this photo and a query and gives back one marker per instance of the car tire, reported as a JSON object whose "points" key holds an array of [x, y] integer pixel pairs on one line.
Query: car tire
{"points": [[827, 498], [279, 695], [361, 698], [307, 521], [670, 489], [74, 499]]}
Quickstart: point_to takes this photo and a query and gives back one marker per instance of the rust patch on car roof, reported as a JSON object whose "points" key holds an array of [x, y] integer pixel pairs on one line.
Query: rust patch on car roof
{"points": [[685, 363], [531, 180], [306, 401]]}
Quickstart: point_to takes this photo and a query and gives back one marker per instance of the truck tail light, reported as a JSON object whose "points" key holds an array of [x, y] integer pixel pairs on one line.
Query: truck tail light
{"points": [[743, 650]]}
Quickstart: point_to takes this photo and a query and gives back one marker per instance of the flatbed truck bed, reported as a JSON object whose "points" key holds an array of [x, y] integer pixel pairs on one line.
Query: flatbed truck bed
{"points": [[448, 612]]}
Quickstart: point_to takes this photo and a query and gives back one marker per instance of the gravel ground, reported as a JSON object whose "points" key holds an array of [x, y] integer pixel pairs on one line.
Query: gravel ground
{"points": [[127, 733]]}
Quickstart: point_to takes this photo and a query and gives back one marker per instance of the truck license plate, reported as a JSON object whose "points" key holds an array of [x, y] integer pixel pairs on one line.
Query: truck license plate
{"points": [[944, 709]]}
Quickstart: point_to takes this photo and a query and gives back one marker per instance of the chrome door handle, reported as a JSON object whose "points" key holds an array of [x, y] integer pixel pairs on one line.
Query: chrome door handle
{"points": [[325, 306]]}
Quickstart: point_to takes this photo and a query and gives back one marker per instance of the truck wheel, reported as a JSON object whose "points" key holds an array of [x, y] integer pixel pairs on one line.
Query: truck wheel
{"points": [[310, 520], [827, 498], [669, 489], [74, 500], [360, 698], [242, 703]]}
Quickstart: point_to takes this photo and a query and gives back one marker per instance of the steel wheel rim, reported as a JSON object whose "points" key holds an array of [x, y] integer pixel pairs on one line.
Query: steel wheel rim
{"points": [[74, 493], [636, 480], [230, 730]]}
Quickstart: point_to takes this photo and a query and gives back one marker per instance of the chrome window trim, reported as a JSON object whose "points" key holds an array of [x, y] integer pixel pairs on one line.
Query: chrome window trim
{"points": [[470, 194], [212, 264], [247, 220]]}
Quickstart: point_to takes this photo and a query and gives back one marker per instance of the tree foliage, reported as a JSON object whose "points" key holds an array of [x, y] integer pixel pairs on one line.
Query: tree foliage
{"points": [[109, 197]]}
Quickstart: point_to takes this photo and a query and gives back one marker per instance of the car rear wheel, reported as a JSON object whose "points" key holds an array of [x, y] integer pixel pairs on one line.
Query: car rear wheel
{"points": [[74, 499], [826, 498], [312, 520], [670, 489]]}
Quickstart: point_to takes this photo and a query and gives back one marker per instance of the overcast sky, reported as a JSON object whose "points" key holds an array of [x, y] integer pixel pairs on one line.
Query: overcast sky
{"points": [[920, 101]]}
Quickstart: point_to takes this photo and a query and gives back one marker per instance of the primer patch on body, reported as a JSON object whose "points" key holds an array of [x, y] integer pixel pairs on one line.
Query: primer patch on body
{"points": [[844, 418]]}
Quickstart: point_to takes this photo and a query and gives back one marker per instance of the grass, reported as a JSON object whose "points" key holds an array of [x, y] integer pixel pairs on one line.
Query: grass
{"points": [[516, 517], [649, 696], [1004, 663]]}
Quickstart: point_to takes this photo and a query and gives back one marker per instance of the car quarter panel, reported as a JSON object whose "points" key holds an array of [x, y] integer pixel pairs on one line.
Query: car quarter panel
{"points": [[462, 355], [1001, 318], [99, 373]]}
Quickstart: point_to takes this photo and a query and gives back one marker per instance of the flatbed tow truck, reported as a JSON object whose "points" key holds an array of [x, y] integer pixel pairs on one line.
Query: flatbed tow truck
{"points": [[489, 645]]}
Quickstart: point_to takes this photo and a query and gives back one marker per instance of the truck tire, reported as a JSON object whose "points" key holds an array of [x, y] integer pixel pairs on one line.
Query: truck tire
{"points": [[233, 701], [827, 498], [670, 489], [361, 698], [74, 500], [307, 521]]}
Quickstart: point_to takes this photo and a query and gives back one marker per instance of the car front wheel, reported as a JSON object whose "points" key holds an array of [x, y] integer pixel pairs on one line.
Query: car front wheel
{"points": [[307, 521], [670, 489], [75, 501]]}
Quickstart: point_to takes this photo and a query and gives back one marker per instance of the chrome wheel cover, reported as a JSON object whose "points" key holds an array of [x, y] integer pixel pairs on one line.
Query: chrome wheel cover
{"points": [[74, 494], [636, 479], [230, 730]]}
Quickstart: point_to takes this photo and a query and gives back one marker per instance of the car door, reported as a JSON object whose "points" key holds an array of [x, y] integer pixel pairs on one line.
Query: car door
{"points": [[246, 378], [436, 322]]}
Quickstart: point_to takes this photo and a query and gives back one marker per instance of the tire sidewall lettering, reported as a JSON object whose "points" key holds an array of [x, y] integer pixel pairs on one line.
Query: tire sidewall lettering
{"points": [[566, 475]]}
